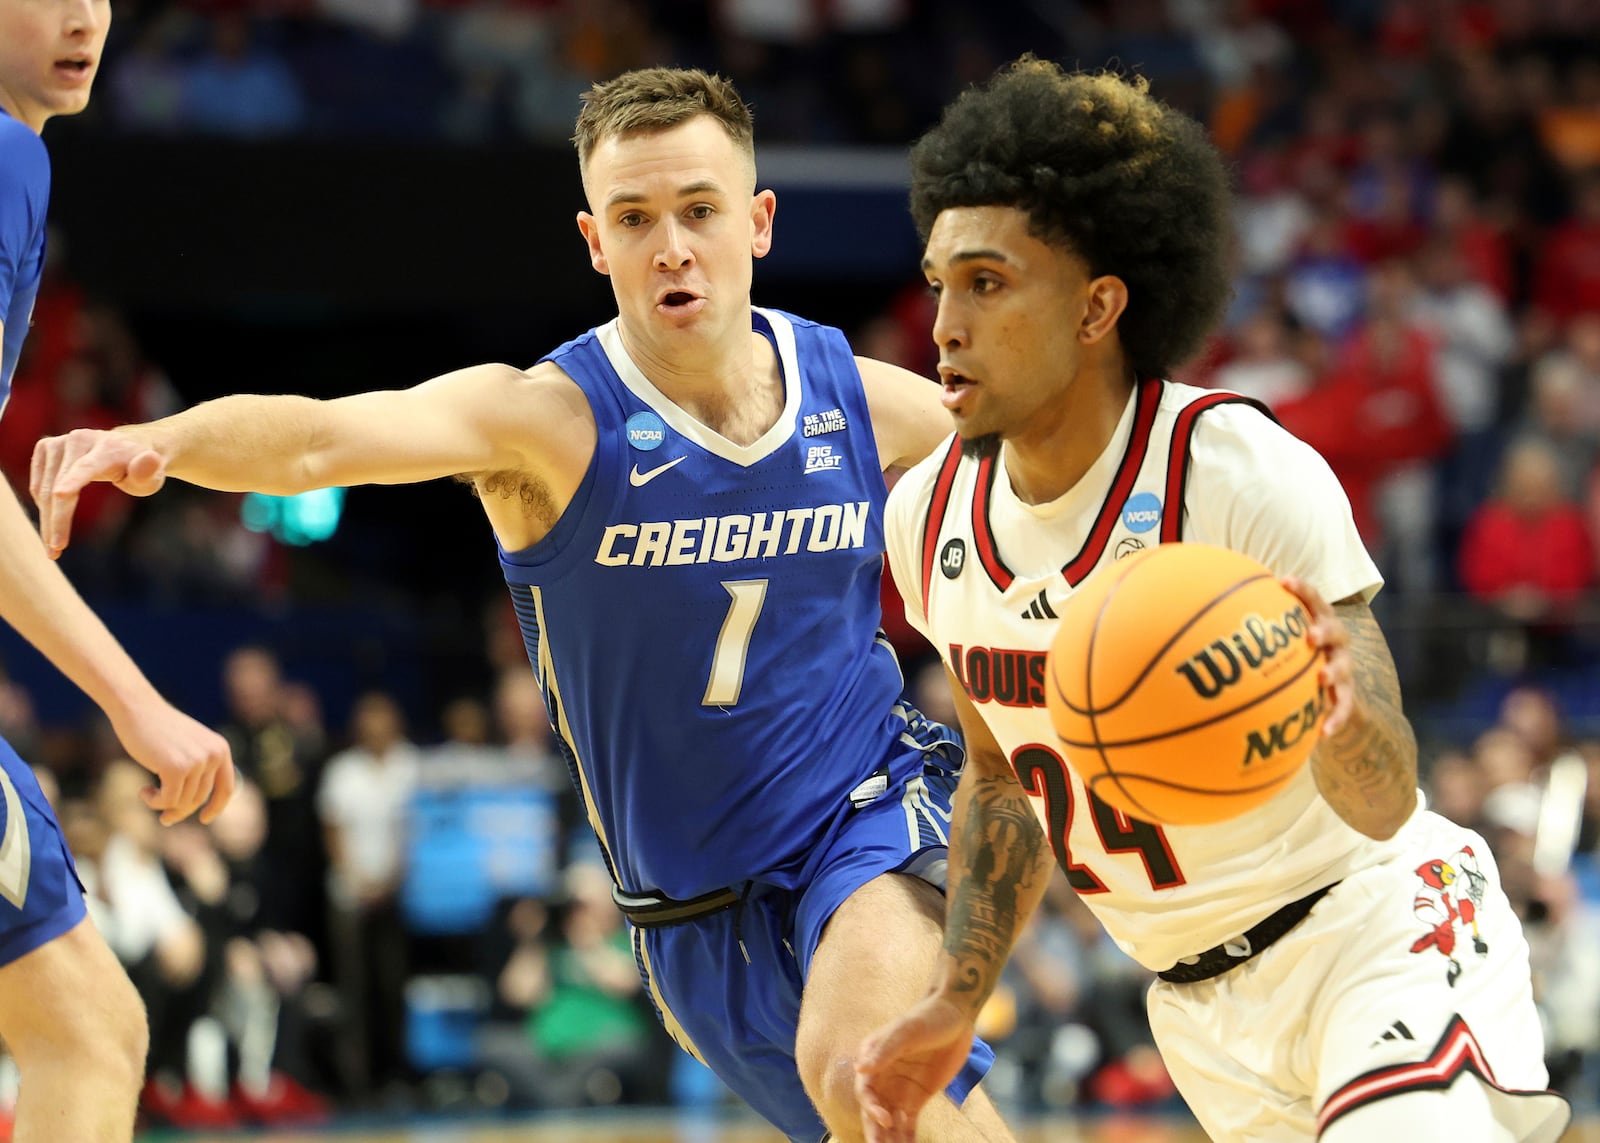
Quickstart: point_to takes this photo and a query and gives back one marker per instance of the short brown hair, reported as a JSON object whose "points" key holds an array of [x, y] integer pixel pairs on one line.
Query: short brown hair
{"points": [[655, 99]]}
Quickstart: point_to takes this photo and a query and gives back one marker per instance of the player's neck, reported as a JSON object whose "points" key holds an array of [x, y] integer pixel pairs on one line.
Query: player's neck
{"points": [[1061, 444], [19, 111], [732, 386]]}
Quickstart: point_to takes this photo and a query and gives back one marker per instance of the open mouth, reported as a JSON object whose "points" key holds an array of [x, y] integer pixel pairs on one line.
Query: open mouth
{"points": [[73, 67], [954, 380], [674, 299]]}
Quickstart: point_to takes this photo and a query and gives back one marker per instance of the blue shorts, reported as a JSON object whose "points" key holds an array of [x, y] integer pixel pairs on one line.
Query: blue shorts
{"points": [[740, 1019], [40, 894]]}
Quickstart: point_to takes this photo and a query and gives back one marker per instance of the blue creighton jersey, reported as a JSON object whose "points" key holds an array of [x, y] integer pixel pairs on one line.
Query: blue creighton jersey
{"points": [[704, 620], [24, 195]]}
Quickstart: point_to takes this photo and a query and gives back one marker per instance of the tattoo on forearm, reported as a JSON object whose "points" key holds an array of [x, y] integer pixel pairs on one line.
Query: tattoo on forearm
{"points": [[1370, 770], [1005, 857]]}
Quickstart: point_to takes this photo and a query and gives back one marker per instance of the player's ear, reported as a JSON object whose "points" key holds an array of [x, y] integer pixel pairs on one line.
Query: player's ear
{"points": [[589, 227], [762, 208], [1108, 297]]}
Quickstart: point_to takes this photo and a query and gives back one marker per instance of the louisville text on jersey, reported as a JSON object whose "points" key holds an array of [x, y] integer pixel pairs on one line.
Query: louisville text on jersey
{"points": [[728, 539], [996, 674]]}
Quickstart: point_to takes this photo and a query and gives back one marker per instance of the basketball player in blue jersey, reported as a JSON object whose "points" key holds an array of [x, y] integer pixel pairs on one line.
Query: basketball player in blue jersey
{"points": [[1336, 964], [68, 1012], [688, 504]]}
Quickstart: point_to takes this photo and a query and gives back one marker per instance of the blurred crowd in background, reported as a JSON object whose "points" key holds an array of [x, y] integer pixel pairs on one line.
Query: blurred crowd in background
{"points": [[403, 907]]}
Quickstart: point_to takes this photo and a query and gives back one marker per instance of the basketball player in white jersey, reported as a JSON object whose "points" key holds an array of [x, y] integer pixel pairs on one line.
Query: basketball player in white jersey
{"points": [[1338, 963]]}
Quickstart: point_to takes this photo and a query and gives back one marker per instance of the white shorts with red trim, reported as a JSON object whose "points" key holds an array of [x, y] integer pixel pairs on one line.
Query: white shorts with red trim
{"points": [[1410, 976]]}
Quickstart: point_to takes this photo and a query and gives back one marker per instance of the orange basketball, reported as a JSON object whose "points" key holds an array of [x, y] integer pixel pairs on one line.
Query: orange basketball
{"points": [[1183, 684]]}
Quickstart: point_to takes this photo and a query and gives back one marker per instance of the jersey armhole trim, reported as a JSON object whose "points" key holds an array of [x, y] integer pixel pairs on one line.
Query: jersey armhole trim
{"points": [[1178, 456]]}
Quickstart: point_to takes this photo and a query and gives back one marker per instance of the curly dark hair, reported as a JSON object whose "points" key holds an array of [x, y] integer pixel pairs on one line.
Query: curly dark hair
{"points": [[1130, 185]]}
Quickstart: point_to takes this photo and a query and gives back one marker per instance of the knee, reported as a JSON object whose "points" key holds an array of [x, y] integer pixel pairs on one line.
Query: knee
{"points": [[103, 1034], [116, 1043], [830, 1079]]}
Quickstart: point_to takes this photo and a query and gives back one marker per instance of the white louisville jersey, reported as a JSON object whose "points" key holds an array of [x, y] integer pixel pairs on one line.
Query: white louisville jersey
{"points": [[985, 575]]}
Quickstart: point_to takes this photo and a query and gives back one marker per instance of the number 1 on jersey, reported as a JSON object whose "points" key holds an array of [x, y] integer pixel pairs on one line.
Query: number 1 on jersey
{"points": [[733, 641]]}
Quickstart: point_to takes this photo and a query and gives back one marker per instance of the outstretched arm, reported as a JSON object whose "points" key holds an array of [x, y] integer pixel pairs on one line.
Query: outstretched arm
{"points": [[999, 866], [908, 419], [1366, 764], [192, 763], [488, 418]]}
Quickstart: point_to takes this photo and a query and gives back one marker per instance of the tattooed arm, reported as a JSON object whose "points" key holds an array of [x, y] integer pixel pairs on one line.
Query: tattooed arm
{"points": [[999, 865], [1366, 765]]}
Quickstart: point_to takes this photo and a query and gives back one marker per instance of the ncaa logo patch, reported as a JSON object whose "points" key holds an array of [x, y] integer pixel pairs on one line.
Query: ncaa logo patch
{"points": [[953, 558], [648, 432], [1141, 512]]}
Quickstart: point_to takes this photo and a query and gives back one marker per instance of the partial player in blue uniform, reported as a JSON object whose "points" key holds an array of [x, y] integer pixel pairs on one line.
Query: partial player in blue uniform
{"points": [[67, 1010], [688, 504]]}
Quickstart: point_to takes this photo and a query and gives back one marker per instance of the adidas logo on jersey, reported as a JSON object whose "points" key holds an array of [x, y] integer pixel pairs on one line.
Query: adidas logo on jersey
{"points": [[1395, 1031], [1040, 608]]}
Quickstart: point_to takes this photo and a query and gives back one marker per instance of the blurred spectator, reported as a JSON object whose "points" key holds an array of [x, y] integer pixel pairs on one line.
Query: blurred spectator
{"points": [[1325, 284], [1470, 325], [1380, 422], [264, 999], [362, 803], [1567, 281], [161, 946], [1562, 928], [1527, 551], [146, 79], [586, 1040], [239, 88], [1494, 143], [466, 747], [1264, 365], [509, 72], [285, 764], [1482, 248], [1457, 787], [1531, 714], [1504, 757], [524, 724], [1559, 413], [1272, 217]]}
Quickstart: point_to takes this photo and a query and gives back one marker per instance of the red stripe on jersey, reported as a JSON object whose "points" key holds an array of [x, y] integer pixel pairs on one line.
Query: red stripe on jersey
{"points": [[1178, 457], [1456, 1052], [1144, 416], [983, 538], [938, 504]]}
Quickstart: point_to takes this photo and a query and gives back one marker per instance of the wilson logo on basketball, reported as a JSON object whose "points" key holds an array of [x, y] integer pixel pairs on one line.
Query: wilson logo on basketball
{"points": [[1255, 643], [1261, 745]]}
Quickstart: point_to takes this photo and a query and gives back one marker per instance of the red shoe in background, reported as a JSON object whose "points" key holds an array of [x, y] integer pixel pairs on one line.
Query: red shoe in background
{"points": [[285, 1101], [187, 1109]]}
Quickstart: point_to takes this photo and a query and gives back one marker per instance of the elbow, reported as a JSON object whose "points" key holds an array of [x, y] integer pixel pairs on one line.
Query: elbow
{"points": [[1384, 822]]}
